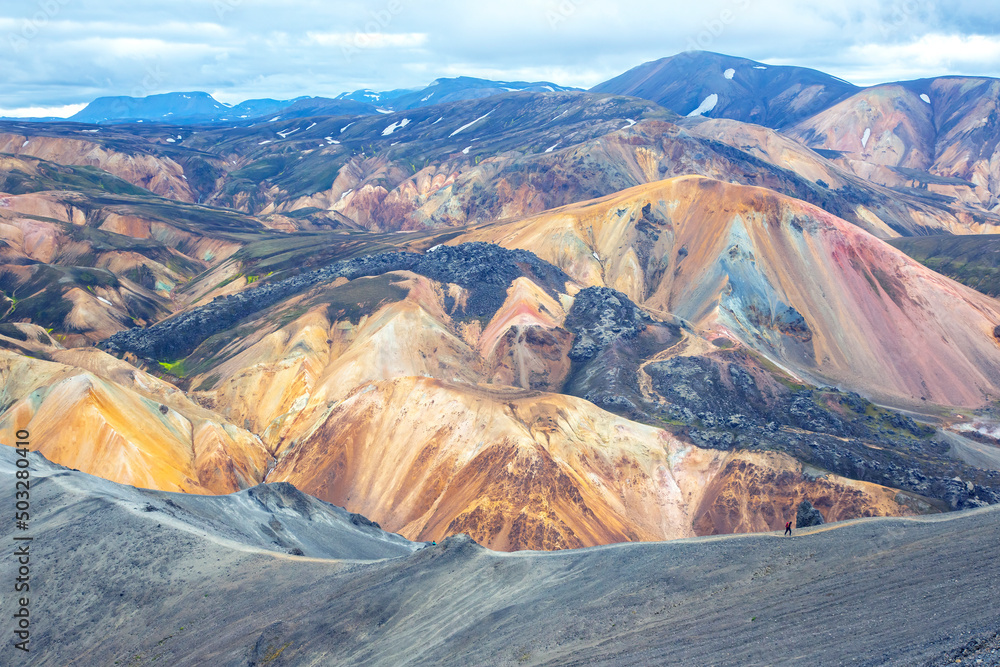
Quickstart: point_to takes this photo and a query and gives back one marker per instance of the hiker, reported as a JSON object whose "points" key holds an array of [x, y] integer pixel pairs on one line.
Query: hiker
{"points": [[788, 528]]}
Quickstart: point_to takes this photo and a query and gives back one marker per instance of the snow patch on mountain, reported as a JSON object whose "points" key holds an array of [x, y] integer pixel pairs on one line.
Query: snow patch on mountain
{"points": [[706, 105], [468, 125], [729, 73], [399, 124]]}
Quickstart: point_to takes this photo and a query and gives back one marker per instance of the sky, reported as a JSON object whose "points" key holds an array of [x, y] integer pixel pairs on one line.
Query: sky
{"points": [[57, 55]]}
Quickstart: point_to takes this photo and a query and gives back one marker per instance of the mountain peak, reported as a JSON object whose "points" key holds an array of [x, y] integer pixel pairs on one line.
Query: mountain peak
{"points": [[696, 83]]}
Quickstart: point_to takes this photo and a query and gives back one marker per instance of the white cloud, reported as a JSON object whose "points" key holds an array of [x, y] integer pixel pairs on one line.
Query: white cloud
{"points": [[927, 56], [143, 47], [64, 111], [307, 47], [368, 40], [933, 51]]}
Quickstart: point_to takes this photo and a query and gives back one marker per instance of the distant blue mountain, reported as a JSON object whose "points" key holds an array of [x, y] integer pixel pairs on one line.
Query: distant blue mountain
{"points": [[168, 107], [467, 88], [189, 108], [198, 107], [372, 97]]}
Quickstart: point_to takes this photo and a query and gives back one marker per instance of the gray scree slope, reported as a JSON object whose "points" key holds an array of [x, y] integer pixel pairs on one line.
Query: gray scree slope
{"points": [[131, 577]]}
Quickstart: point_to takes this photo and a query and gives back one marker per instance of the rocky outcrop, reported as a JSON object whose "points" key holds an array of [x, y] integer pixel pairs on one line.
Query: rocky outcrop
{"points": [[807, 515], [179, 336], [600, 316], [732, 402]]}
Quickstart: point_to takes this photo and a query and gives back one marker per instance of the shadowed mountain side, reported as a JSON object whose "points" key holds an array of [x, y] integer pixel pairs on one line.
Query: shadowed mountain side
{"points": [[809, 290], [525, 470], [191, 586], [720, 86]]}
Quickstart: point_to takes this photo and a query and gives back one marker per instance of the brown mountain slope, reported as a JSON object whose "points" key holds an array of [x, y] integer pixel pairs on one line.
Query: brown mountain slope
{"points": [[525, 470], [940, 136], [815, 293], [156, 173], [296, 361], [90, 411]]}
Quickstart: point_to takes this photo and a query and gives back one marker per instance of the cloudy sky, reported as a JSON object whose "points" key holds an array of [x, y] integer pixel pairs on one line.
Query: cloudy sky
{"points": [[57, 55]]}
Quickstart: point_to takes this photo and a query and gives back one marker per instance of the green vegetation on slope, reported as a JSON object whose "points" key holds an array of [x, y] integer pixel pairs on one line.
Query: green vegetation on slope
{"points": [[971, 260]]}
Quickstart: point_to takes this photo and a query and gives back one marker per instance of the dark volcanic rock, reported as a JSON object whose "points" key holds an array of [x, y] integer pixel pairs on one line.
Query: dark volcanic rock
{"points": [[178, 336], [807, 515], [731, 405], [612, 336], [600, 316], [486, 270]]}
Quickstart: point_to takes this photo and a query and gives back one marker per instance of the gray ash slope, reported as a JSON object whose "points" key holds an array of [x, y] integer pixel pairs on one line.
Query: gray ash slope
{"points": [[114, 583], [271, 517], [486, 270]]}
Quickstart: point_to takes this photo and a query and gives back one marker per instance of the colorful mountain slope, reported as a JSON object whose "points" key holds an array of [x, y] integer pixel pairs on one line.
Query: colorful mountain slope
{"points": [[816, 294]]}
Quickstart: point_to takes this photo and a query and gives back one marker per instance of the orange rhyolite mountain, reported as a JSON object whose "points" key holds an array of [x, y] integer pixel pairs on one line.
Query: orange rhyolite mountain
{"points": [[817, 294]]}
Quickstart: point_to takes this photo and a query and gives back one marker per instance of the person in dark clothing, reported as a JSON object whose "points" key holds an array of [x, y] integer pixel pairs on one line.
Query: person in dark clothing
{"points": [[788, 528]]}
